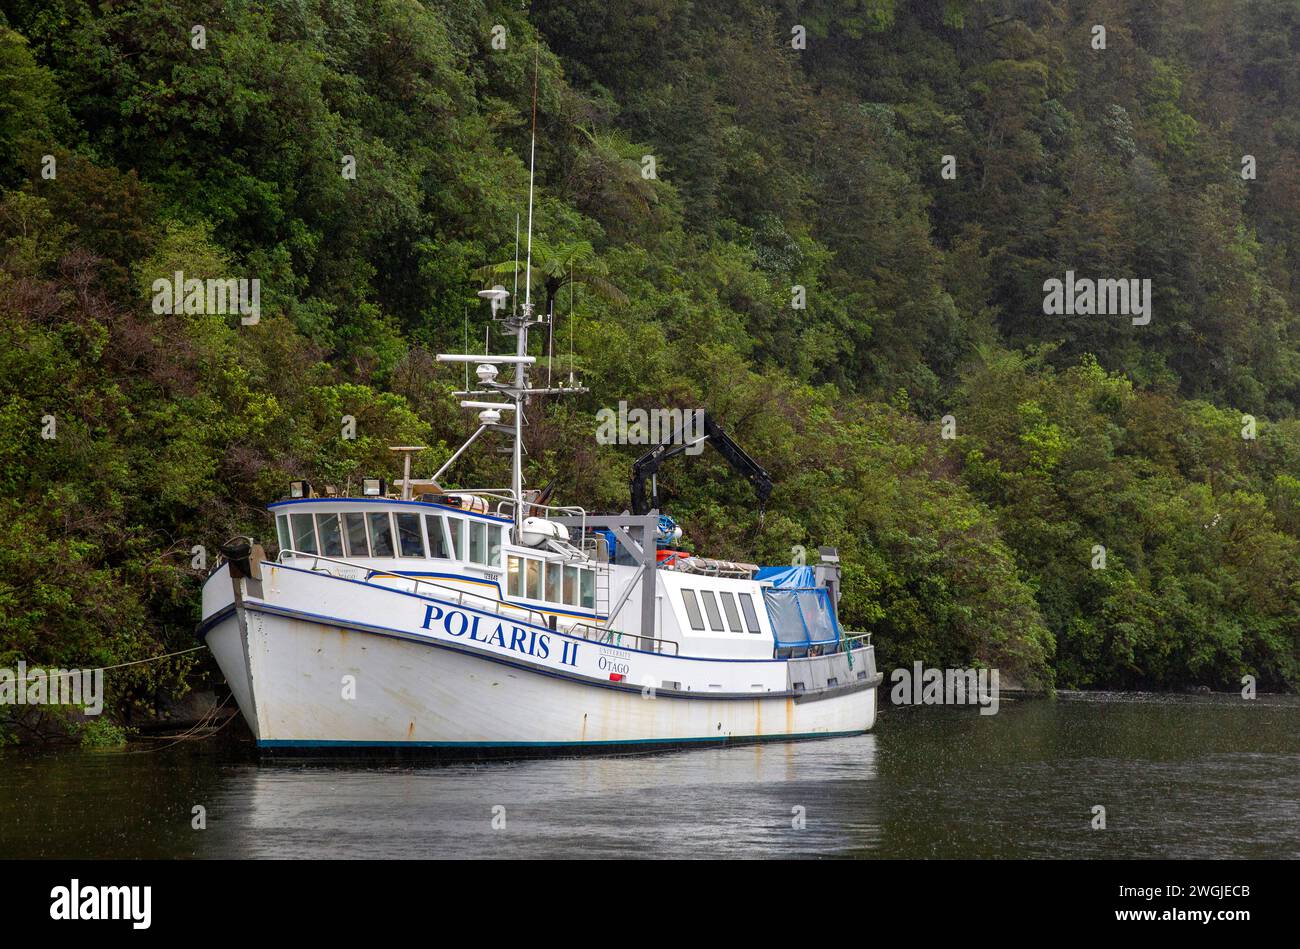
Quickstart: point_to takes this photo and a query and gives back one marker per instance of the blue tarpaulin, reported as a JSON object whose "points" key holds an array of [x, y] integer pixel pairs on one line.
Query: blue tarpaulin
{"points": [[787, 577], [801, 617]]}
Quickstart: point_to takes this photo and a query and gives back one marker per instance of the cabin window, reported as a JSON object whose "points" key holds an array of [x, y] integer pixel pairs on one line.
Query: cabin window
{"points": [[587, 582], [381, 534], [304, 533], [456, 527], [437, 538], [410, 542], [282, 531], [478, 542], [733, 614], [515, 576], [711, 608], [554, 581], [751, 617], [692, 609], [496, 536], [571, 585], [354, 527], [331, 537], [533, 576]]}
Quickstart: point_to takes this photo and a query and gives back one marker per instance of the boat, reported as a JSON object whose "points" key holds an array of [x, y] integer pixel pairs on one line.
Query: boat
{"points": [[407, 615]]}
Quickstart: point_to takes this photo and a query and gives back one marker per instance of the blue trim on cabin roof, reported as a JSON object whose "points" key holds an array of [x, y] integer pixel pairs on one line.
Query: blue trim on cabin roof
{"points": [[421, 504]]}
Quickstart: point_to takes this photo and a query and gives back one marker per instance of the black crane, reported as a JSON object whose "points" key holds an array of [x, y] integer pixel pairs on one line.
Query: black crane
{"points": [[648, 464]]}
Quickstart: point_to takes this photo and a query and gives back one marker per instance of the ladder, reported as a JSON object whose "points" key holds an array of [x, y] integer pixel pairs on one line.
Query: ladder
{"points": [[603, 571]]}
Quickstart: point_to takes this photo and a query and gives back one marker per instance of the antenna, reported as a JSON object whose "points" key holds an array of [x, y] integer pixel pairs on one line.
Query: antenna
{"points": [[517, 322], [573, 289], [521, 368], [515, 295], [532, 165]]}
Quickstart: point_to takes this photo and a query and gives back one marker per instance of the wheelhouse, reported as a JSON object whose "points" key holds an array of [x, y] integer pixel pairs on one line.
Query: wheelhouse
{"points": [[426, 539]]}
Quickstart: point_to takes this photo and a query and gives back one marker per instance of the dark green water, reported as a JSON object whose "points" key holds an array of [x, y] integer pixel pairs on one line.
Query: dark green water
{"points": [[1204, 776]]}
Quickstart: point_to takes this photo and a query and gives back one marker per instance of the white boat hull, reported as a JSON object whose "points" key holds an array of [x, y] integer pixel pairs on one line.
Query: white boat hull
{"points": [[312, 667]]}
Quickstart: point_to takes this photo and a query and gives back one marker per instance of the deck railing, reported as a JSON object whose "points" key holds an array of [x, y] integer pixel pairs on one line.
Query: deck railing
{"points": [[587, 631]]}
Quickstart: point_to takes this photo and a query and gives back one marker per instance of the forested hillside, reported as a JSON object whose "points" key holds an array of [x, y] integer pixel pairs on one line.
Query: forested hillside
{"points": [[703, 169]]}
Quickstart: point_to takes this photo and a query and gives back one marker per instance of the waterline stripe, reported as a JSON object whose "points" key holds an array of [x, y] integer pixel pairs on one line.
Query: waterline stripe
{"points": [[328, 743]]}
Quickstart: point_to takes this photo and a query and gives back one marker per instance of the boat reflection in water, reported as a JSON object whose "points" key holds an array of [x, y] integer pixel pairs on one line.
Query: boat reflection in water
{"points": [[780, 798]]}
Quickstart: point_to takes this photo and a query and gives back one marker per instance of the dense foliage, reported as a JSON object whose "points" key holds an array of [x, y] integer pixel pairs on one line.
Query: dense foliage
{"points": [[774, 167]]}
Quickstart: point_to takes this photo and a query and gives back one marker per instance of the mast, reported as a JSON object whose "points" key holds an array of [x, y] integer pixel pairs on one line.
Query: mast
{"points": [[521, 349], [520, 319]]}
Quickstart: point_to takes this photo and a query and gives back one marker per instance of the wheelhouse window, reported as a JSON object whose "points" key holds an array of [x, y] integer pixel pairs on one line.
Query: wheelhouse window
{"points": [[456, 527], [354, 530], [331, 536], [570, 585], [410, 542], [304, 533], [515, 576], [554, 581], [587, 589], [438, 546], [711, 608], [733, 615], [496, 537], [533, 576], [381, 534], [282, 531], [692, 609], [478, 542], [751, 617]]}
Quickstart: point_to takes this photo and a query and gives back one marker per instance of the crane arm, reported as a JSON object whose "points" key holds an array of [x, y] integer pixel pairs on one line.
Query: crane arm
{"points": [[648, 464]]}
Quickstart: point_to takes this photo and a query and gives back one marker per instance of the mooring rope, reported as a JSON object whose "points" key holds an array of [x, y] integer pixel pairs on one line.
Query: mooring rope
{"points": [[43, 674], [188, 734]]}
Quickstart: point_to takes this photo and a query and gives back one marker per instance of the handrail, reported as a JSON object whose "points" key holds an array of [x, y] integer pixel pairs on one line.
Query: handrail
{"points": [[461, 594], [608, 634], [539, 620]]}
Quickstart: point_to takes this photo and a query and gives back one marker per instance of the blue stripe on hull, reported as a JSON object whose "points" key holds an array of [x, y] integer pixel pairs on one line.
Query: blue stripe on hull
{"points": [[467, 745]]}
